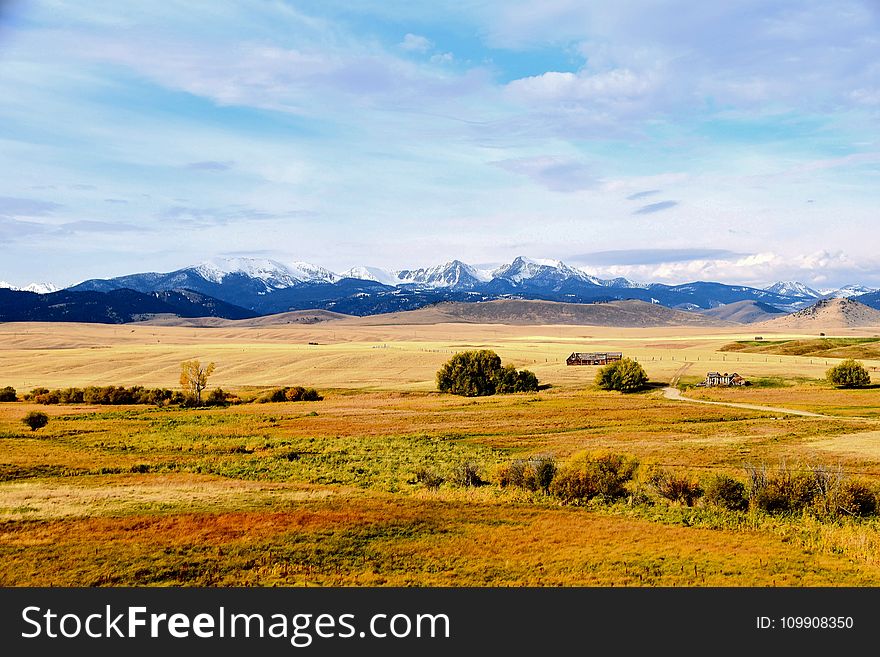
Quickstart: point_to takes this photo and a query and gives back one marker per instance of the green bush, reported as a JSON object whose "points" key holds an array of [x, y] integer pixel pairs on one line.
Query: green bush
{"points": [[534, 474], [587, 476], [676, 487], [625, 375], [217, 397], [8, 394], [36, 420], [479, 373], [849, 374], [726, 492]]}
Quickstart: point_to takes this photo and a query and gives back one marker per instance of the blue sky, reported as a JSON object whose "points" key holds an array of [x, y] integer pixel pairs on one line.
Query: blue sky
{"points": [[717, 141]]}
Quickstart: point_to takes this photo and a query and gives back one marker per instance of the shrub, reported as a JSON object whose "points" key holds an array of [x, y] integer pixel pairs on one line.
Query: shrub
{"points": [[295, 393], [478, 373], [854, 498], [8, 394], [217, 397], [726, 492], [298, 393], [36, 420], [849, 374], [534, 474], [625, 375], [782, 491], [428, 478], [508, 380], [466, 474], [680, 488], [272, 396], [587, 476]]}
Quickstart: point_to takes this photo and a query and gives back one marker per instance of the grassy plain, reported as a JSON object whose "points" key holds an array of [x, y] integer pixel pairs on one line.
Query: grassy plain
{"points": [[324, 493]]}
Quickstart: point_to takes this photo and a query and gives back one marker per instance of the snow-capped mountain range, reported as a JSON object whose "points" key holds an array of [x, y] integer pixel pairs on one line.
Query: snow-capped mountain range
{"points": [[265, 286]]}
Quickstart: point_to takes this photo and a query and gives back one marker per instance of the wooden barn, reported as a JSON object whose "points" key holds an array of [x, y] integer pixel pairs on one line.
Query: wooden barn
{"points": [[717, 379], [593, 358]]}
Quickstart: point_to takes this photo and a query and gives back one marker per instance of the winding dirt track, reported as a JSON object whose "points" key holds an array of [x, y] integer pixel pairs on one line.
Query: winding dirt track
{"points": [[671, 392]]}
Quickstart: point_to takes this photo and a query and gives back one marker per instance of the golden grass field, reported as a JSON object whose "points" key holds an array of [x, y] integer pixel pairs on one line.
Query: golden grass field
{"points": [[323, 493]]}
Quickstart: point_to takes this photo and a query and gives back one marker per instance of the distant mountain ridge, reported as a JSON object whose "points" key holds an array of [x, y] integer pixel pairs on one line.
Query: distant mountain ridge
{"points": [[268, 286], [261, 286], [113, 307]]}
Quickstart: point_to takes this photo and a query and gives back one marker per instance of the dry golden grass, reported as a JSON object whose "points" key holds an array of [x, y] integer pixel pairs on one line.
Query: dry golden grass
{"points": [[400, 542], [323, 493]]}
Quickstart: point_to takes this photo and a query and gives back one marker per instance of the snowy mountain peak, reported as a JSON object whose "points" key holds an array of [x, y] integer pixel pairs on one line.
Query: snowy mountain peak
{"points": [[39, 288], [523, 268], [454, 274], [274, 274], [793, 289], [371, 274], [848, 291]]}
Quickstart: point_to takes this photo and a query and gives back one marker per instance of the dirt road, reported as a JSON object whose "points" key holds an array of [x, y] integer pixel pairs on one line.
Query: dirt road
{"points": [[674, 393]]}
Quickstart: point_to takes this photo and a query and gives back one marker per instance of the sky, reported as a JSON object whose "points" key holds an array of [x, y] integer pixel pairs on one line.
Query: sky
{"points": [[665, 141]]}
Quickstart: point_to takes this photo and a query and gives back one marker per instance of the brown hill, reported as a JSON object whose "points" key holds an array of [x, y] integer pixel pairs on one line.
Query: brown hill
{"points": [[297, 317], [828, 313], [630, 313], [743, 312]]}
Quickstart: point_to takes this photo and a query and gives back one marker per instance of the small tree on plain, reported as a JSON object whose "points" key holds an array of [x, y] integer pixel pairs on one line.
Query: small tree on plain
{"points": [[479, 372], [8, 394], [194, 377], [849, 374], [36, 420], [625, 375]]}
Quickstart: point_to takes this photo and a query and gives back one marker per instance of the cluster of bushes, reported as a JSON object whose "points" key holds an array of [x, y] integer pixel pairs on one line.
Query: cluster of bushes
{"points": [[289, 393], [479, 373], [8, 394], [104, 395], [820, 490], [609, 477], [116, 395]]}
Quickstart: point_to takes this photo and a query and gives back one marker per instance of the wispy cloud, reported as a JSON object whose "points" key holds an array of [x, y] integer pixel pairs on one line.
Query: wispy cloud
{"points": [[659, 206], [556, 174], [651, 256], [211, 165], [11, 206], [644, 194]]}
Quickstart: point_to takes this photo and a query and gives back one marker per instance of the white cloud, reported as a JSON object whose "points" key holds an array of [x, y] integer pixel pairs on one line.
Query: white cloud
{"points": [[416, 43]]}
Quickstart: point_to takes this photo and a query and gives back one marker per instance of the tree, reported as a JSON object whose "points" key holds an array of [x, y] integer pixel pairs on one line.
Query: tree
{"points": [[8, 394], [849, 374], [36, 420], [194, 377], [470, 373], [477, 373], [625, 375]]}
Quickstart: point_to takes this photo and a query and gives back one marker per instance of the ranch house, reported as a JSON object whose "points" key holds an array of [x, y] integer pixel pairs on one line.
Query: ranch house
{"points": [[593, 358], [718, 379]]}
